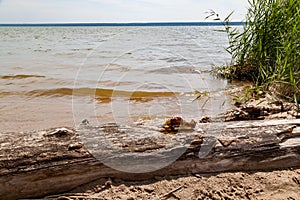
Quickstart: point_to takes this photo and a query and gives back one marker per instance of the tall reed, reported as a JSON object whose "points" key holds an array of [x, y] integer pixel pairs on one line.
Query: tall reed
{"points": [[267, 51]]}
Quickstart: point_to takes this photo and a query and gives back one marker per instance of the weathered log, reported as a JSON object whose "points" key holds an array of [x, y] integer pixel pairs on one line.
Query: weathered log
{"points": [[47, 162]]}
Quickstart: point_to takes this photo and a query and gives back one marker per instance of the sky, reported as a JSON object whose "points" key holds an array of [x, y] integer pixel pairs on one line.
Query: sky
{"points": [[56, 11]]}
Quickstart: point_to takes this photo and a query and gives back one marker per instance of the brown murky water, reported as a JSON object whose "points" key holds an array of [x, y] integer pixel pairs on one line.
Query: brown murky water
{"points": [[58, 76]]}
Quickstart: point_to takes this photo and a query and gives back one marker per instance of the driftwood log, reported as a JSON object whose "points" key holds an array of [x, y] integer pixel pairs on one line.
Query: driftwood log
{"points": [[52, 161]]}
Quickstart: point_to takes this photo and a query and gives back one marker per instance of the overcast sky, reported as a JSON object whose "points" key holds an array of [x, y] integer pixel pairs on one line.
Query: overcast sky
{"points": [[26, 11]]}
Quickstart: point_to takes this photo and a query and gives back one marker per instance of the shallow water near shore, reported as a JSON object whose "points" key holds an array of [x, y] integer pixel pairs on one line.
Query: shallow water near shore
{"points": [[58, 76]]}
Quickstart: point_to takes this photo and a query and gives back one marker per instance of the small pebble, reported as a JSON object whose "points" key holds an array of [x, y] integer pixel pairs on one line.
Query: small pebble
{"points": [[85, 122], [75, 146]]}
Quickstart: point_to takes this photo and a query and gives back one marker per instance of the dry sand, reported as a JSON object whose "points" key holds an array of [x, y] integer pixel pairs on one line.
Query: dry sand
{"points": [[275, 185]]}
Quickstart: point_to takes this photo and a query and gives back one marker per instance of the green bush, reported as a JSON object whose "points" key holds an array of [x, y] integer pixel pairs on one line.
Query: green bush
{"points": [[267, 51]]}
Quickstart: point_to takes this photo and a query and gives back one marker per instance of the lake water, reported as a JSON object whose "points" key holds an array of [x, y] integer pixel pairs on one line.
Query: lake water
{"points": [[58, 76]]}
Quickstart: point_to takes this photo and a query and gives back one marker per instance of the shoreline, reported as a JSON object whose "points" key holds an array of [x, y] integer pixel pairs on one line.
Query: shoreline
{"points": [[214, 143], [44, 113], [252, 183]]}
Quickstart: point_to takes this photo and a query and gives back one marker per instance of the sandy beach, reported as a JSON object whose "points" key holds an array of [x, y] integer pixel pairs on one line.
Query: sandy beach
{"points": [[277, 185], [36, 94]]}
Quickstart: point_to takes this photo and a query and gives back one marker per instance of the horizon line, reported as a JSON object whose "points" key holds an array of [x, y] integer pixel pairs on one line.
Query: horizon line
{"points": [[234, 23]]}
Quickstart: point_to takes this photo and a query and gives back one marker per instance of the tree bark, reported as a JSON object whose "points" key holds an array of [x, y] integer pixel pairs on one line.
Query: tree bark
{"points": [[52, 161]]}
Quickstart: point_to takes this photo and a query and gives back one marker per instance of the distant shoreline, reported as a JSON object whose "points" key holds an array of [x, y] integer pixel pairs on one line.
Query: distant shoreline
{"points": [[121, 24]]}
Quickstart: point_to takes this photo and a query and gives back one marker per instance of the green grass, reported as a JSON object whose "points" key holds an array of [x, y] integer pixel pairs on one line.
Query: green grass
{"points": [[267, 51]]}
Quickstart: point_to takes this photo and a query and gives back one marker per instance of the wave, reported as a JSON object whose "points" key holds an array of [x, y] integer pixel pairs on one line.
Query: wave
{"points": [[98, 92], [21, 76], [173, 70]]}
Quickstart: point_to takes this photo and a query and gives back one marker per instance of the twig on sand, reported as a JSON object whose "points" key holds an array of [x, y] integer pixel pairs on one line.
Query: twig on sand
{"points": [[169, 194], [68, 196]]}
